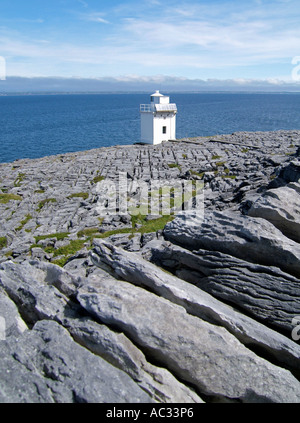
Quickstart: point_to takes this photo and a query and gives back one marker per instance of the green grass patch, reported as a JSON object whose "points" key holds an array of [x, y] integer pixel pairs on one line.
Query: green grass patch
{"points": [[83, 195], [60, 262], [220, 163], [150, 225], [155, 224], [34, 246], [5, 198], [229, 176], [114, 232], [245, 150], [67, 250], [23, 222], [59, 236], [19, 179], [138, 219], [174, 165], [3, 242], [147, 226], [87, 232], [45, 201], [193, 172], [216, 157], [98, 178]]}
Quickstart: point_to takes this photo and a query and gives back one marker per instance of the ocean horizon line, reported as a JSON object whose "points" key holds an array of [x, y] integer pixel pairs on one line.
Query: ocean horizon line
{"points": [[33, 93]]}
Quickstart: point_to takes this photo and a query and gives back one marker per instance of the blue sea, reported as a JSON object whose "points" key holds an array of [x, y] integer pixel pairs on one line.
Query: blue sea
{"points": [[34, 126]]}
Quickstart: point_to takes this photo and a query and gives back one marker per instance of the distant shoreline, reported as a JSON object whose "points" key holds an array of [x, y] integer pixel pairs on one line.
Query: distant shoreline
{"points": [[50, 93]]}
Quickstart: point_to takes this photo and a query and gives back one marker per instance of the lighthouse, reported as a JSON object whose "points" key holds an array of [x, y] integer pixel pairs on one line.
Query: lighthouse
{"points": [[158, 119]]}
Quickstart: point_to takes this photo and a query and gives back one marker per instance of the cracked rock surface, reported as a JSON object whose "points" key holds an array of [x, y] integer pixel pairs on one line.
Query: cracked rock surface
{"points": [[200, 305]]}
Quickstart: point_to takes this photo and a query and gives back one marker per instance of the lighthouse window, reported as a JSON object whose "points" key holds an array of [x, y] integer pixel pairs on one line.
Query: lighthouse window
{"points": [[164, 130]]}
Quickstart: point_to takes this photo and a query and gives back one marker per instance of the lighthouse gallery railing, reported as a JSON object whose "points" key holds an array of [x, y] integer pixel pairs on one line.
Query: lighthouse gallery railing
{"points": [[146, 108]]}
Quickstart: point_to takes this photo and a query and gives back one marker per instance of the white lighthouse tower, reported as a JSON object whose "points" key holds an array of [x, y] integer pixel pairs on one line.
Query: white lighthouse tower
{"points": [[158, 119]]}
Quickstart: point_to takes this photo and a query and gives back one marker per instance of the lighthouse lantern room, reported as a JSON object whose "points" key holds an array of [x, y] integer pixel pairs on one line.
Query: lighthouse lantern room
{"points": [[158, 119]]}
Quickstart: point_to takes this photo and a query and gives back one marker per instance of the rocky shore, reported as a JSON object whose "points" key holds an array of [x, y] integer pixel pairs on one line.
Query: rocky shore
{"points": [[101, 303]]}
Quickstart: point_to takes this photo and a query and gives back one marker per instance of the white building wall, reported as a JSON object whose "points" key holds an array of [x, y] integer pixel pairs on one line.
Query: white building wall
{"points": [[156, 116], [147, 127], [160, 121], [164, 100], [173, 128]]}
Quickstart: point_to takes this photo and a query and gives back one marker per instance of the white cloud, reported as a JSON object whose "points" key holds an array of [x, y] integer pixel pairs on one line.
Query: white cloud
{"points": [[190, 39], [243, 42], [95, 17]]}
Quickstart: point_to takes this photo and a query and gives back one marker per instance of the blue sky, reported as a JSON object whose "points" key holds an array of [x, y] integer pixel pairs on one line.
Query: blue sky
{"points": [[141, 40]]}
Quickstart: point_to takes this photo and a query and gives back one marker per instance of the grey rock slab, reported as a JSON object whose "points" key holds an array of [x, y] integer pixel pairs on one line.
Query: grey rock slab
{"points": [[25, 285], [39, 254], [118, 350], [265, 293], [67, 372], [63, 280], [77, 267], [281, 207], [291, 172], [134, 243], [248, 238], [133, 268], [18, 384], [204, 355], [277, 160], [39, 301], [11, 323]]}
